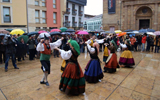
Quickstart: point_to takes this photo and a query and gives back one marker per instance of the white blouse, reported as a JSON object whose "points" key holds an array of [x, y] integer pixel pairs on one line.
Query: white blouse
{"points": [[65, 54], [40, 46], [91, 50], [98, 41]]}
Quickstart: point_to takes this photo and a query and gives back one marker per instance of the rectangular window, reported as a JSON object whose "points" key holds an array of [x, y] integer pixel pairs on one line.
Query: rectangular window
{"points": [[66, 18], [73, 19], [6, 15], [73, 6], [6, 0], [80, 20], [43, 4], [43, 17], [37, 16], [37, 28], [37, 3], [54, 3], [54, 17], [112, 28]]}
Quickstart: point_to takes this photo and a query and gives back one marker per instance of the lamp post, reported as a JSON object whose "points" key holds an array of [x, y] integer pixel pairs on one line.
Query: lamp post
{"points": [[120, 13], [27, 15]]}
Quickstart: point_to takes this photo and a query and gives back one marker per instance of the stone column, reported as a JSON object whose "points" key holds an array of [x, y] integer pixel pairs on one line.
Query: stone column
{"points": [[132, 18], [156, 17], [126, 18]]}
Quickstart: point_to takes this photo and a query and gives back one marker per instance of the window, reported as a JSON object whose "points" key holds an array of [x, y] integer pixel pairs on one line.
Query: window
{"points": [[37, 16], [54, 17], [73, 19], [43, 3], [73, 6], [43, 17], [54, 3], [6, 15], [112, 28], [80, 20], [37, 28], [66, 18], [6, 0], [37, 3]]}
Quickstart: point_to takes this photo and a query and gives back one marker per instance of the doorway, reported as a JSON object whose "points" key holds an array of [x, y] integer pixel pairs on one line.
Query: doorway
{"points": [[144, 23]]}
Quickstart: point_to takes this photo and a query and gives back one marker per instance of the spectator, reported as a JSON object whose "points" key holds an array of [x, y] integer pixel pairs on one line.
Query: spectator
{"points": [[152, 43], [148, 43], [139, 42], [143, 42], [2, 50], [31, 44], [132, 40], [156, 44], [81, 43], [55, 52]]}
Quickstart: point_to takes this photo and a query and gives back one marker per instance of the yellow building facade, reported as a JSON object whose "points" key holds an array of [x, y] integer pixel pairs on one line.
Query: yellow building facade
{"points": [[13, 14]]}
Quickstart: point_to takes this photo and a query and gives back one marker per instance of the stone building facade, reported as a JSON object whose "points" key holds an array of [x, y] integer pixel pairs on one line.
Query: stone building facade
{"points": [[132, 14]]}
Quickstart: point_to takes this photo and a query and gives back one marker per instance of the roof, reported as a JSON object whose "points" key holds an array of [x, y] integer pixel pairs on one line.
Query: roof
{"points": [[96, 17], [80, 2]]}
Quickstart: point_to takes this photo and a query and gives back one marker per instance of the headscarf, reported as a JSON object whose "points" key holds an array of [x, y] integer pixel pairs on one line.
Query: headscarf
{"points": [[114, 44], [75, 45], [91, 43], [97, 46]]}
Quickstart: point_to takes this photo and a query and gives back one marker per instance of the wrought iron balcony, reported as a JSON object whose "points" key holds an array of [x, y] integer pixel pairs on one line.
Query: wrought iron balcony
{"points": [[80, 13], [7, 19], [68, 11], [74, 24], [80, 24], [66, 24], [74, 12]]}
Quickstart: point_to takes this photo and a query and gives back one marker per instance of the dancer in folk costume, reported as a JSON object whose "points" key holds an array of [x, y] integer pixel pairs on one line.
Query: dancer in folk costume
{"points": [[72, 79], [93, 71], [106, 50], [111, 64], [126, 59], [45, 48]]}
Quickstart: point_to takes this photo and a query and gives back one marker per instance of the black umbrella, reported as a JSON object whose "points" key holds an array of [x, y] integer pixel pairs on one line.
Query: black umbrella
{"points": [[70, 30], [55, 33], [32, 33], [129, 30], [25, 33], [1, 34]]}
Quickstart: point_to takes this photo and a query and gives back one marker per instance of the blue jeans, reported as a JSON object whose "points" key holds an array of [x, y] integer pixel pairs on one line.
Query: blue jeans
{"points": [[156, 49], [81, 49], [143, 46], [13, 60]]}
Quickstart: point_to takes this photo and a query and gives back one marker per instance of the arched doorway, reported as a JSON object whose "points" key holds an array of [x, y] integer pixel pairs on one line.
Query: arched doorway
{"points": [[144, 18]]}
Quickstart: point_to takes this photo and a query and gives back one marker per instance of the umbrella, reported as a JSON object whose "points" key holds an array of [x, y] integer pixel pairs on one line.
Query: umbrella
{"points": [[100, 30], [42, 35], [4, 31], [42, 32], [109, 32], [25, 38], [1, 34], [121, 34], [118, 31], [83, 32], [70, 30], [55, 30], [150, 30], [65, 33], [63, 29], [25, 33], [33, 33], [9, 30], [157, 33], [143, 31], [77, 31], [55, 33], [16, 32], [129, 30], [151, 33]]}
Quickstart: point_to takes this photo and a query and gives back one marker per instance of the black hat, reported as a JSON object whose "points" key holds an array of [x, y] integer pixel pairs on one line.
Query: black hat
{"points": [[92, 33], [66, 47], [45, 37]]}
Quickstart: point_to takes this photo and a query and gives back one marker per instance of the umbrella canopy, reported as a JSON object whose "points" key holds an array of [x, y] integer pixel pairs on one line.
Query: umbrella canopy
{"points": [[70, 30], [25, 33], [83, 33], [25, 38], [2, 34], [55, 30], [100, 30], [55, 33], [4, 31], [151, 33], [16, 32], [42, 32], [63, 29], [129, 30], [121, 34], [41, 36], [150, 30], [77, 31], [133, 32], [118, 31], [9, 30], [143, 31], [65, 33], [32, 33], [157, 33], [107, 32]]}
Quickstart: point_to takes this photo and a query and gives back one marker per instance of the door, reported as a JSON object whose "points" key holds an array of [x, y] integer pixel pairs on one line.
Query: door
{"points": [[144, 23]]}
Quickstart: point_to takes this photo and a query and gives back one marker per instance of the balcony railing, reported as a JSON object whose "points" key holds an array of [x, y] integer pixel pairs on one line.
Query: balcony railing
{"points": [[66, 24], [68, 11], [81, 13], [80, 24], [74, 12], [74, 24], [6, 0], [7, 19]]}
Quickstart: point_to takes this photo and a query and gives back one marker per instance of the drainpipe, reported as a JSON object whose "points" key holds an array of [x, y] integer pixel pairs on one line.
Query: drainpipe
{"points": [[120, 13], [27, 15]]}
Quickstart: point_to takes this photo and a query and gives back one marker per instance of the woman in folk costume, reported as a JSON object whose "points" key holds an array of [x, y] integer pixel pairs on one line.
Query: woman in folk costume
{"points": [[111, 63], [93, 71], [106, 50], [126, 59], [45, 48], [72, 79]]}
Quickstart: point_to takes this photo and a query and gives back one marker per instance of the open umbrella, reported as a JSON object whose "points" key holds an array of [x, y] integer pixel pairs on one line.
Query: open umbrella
{"points": [[25, 38], [83, 33], [65, 33], [157, 33], [143, 31], [150, 30], [41, 36], [70, 30], [55, 33], [63, 29], [121, 34], [100, 30], [129, 30], [77, 31], [2, 34], [42, 32], [9, 30], [151, 33], [17, 32], [108, 32], [32, 33], [4, 31], [55, 30], [118, 31]]}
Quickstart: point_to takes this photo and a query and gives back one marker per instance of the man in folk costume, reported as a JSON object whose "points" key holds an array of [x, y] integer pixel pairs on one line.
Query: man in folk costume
{"points": [[72, 79], [45, 48]]}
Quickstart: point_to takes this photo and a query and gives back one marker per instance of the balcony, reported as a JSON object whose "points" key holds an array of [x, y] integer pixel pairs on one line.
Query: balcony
{"points": [[74, 12], [68, 11], [6, 0], [7, 19], [74, 24], [80, 24], [81, 13], [67, 24]]}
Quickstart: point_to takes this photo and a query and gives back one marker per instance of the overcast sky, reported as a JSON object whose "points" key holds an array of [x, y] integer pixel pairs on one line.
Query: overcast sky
{"points": [[94, 7]]}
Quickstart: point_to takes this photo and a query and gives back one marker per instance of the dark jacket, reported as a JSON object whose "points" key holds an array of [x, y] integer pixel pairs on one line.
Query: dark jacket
{"points": [[10, 46], [31, 43]]}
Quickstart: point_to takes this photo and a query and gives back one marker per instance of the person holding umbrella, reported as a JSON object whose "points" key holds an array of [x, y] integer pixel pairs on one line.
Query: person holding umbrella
{"points": [[45, 48], [2, 50]]}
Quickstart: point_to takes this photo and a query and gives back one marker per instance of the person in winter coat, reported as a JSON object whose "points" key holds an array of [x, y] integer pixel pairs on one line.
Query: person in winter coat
{"points": [[144, 38], [157, 44]]}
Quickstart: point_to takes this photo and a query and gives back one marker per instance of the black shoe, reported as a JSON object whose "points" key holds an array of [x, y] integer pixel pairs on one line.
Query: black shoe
{"points": [[16, 68], [6, 70], [42, 82], [47, 84]]}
